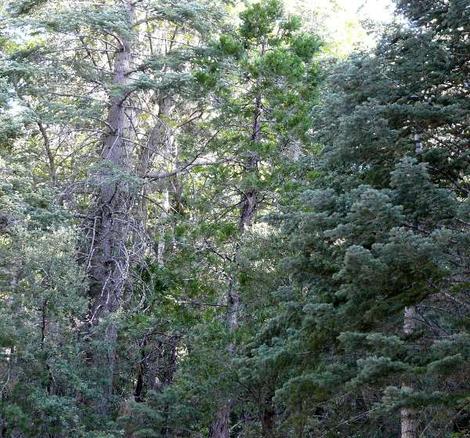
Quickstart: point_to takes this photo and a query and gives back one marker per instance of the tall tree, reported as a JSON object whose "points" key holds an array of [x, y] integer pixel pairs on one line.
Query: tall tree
{"points": [[264, 78], [373, 241], [102, 110]]}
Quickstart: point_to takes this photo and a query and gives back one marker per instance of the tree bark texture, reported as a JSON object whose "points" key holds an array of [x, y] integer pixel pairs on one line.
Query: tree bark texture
{"points": [[408, 415], [108, 254], [220, 426]]}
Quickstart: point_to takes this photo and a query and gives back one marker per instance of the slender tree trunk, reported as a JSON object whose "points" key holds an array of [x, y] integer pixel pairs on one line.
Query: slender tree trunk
{"points": [[108, 260], [409, 421], [409, 418], [50, 155], [168, 151], [161, 141], [220, 427], [250, 196]]}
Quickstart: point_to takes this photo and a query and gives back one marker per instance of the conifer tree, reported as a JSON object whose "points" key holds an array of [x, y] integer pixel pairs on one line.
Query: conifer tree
{"points": [[199, 237], [381, 234], [270, 60], [99, 112]]}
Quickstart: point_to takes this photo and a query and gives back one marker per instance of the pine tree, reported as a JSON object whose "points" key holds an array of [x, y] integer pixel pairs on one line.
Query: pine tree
{"points": [[259, 129], [381, 232], [100, 114]]}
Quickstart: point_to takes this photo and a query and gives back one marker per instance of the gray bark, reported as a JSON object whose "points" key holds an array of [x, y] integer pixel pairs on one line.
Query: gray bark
{"points": [[409, 425], [108, 259], [161, 143], [220, 426], [408, 415], [158, 358]]}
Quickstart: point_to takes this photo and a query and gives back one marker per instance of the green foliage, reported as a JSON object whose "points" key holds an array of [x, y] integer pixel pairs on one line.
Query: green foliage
{"points": [[360, 190], [41, 301], [367, 241], [258, 20]]}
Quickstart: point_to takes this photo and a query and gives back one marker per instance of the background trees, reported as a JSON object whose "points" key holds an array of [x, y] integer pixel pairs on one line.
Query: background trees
{"points": [[210, 227]]}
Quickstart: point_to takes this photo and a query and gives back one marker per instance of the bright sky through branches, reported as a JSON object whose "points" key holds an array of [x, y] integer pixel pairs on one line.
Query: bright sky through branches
{"points": [[377, 10], [345, 24]]}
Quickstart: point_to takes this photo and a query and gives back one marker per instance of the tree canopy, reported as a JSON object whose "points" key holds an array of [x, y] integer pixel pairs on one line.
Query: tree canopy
{"points": [[213, 223]]}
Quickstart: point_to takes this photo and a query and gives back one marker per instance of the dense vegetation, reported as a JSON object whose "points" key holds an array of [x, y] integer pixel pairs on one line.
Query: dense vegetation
{"points": [[209, 226]]}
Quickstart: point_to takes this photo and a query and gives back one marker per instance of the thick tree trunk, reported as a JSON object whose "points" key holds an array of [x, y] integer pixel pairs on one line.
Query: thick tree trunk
{"points": [[108, 259], [409, 421], [220, 426]]}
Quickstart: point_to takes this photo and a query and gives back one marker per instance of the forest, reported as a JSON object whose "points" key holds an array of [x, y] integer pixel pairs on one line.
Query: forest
{"points": [[218, 218]]}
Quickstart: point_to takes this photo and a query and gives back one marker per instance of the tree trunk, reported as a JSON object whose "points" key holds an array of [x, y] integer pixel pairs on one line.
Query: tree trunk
{"points": [[409, 422], [108, 259], [267, 420], [250, 195], [161, 141], [220, 428], [409, 425]]}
